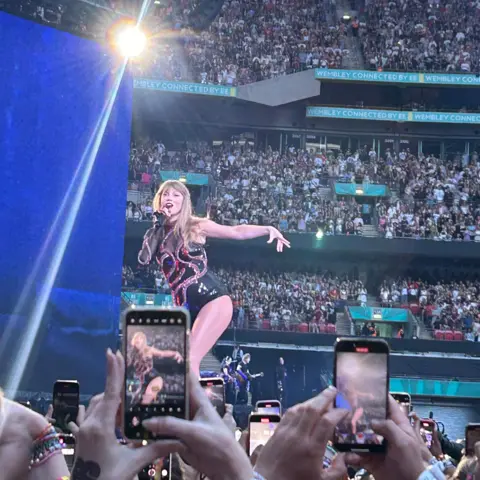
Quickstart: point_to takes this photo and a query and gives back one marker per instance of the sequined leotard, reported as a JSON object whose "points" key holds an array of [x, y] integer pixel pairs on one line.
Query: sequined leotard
{"points": [[186, 269]]}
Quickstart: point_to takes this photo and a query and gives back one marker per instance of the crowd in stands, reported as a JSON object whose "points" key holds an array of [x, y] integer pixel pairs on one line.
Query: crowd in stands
{"points": [[278, 301], [418, 35], [445, 306], [249, 41]]}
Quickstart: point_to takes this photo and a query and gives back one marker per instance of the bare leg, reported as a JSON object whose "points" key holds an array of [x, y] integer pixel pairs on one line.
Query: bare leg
{"points": [[212, 320], [152, 391], [356, 417]]}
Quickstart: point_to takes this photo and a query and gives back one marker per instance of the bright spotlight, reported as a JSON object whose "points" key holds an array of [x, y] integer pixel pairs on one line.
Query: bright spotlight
{"points": [[319, 234], [131, 41]]}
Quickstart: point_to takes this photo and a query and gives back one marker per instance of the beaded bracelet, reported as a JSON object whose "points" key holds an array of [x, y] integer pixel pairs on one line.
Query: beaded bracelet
{"points": [[45, 446]]}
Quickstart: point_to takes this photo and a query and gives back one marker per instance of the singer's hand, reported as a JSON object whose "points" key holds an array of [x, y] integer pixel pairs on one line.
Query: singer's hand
{"points": [[166, 211]]}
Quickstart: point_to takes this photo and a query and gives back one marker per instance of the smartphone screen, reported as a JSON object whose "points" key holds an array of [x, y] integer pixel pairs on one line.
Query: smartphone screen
{"points": [[427, 427], [472, 436], [215, 390], [160, 470], [361, 378], [156, 349], [68, 449], [261, 428], [330, 453], [404, 401], [66, 398], [269, 406]]}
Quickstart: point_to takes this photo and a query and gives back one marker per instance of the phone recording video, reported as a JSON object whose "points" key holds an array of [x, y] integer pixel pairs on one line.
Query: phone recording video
{"points": [[155, 345], [215, 390], [472, 436], [330, 453], [361, 378], [68, 448], [269, 406], [66, 399], [404, 401], [427, 429], [261, 428], [160, 470]]}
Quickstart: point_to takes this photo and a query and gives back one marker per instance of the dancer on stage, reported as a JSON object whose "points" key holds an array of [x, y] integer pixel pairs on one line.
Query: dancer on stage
{"points": [[177, 242]]}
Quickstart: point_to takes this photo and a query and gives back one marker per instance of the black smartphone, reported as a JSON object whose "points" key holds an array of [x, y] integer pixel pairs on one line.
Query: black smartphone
{"points": [[68, 449], [155, 345], [215, 390], [427, 430], [160, 470], [261, 427], [404, 401], [361, 376], [330, 453], [472, 436], [66, 399], [268, 406]]}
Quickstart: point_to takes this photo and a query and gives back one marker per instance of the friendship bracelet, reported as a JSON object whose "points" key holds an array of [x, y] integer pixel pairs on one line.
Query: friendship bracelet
{"points": [[45, 446]]}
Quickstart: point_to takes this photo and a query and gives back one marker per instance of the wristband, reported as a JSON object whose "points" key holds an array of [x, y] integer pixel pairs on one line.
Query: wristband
{"points": [[45, 446], [257, 476], [433, 472]]}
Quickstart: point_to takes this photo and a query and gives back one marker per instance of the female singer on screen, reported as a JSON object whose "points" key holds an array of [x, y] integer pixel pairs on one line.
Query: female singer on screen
{"points": [[177, 242]]}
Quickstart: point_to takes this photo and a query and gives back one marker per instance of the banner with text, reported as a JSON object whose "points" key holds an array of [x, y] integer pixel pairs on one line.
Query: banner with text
{"points": [[467, 79], [393, 115], [184, 87], [366, 314], [365, 189]]}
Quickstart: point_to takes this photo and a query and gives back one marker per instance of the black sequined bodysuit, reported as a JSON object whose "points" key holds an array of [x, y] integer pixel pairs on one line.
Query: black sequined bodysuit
{"points": [[186, 269]]}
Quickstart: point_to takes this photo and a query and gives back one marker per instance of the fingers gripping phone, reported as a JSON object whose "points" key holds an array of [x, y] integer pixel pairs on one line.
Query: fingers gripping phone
{"points": [[427, 430], [472, 436], [269, 406], [155, 344], [215, 390], [261, 428], [404, 401], [361, 376], [66, 399]]}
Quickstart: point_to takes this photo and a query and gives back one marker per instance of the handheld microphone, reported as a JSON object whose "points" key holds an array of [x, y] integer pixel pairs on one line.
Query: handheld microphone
{"points": [[159, 219]]}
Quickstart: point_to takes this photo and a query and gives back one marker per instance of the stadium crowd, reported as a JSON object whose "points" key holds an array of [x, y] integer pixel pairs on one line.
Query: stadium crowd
{"points": [[445, 306], [250, 41], [418, 35]]}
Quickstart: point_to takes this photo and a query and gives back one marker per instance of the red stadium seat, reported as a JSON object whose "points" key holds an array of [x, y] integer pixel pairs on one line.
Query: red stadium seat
{"points": [[458, 335], [331, 328], [322, 327], [415, 309], [439, 335], [266, 325], [448, 335], [303, 327]]}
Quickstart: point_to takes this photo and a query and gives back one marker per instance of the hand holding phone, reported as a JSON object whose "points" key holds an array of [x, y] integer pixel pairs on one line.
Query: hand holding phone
{"points": [[404, 401], [66, 400], [156, 366], [427, 430], [472, 436], [361, 376]]}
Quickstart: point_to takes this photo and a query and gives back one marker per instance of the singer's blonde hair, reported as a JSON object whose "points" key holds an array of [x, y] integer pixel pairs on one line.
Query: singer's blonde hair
{"points": [[186, 226]]}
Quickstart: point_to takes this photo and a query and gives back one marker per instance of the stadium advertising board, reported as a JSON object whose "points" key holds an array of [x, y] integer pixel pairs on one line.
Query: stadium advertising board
{"points": [[184, 87], [467, 79], [393, 115]]}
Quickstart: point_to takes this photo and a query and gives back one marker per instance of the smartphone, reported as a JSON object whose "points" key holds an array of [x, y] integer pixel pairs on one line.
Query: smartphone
{"points": [[427, 429], [26, 404], [261, 427], [268, 406], [472, 436], [68, 449], [160, 470], [404, 401], [361, 376], [66, 400], [155, 345], [215, 390], [330, 453]]}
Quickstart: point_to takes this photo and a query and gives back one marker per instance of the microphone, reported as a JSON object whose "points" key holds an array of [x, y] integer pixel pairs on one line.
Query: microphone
{"points": [[159, 219]]}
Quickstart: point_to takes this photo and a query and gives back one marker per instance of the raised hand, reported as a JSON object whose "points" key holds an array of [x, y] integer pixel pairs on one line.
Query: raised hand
{"points": [[275, 234]]}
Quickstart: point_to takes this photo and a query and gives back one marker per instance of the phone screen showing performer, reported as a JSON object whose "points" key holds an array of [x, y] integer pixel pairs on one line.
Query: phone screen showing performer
{"points": [[427, 428], [269, 406], [362, 379], [261, 429], [215, 390], [156, 353]]}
